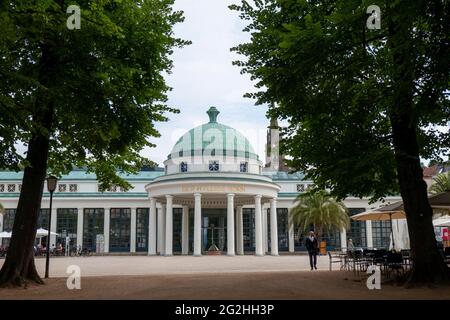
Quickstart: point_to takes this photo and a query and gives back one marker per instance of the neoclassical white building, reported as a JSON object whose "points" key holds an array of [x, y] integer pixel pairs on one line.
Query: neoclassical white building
{"points": [[213, 195]]}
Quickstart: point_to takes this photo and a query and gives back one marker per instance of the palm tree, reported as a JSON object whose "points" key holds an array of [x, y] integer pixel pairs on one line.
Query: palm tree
{"points": [[441, 183], [321, 210]]}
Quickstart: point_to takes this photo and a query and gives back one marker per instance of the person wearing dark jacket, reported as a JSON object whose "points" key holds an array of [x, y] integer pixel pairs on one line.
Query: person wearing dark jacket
{"points": [[312, 245]]}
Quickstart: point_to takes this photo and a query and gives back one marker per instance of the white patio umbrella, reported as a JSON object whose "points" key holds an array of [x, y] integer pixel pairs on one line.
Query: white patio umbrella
{"points": [[442, 221], [388, 212], [43, 233], [5, 234]]}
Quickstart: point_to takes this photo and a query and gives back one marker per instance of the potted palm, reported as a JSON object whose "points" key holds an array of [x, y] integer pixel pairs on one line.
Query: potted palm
{"points": [[320, 210]]}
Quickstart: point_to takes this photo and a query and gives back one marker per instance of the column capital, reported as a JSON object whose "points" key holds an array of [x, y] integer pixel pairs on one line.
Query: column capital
{"points": [[168, 196], [273, 200], [197, 195], [258, 196], [230, 195]]}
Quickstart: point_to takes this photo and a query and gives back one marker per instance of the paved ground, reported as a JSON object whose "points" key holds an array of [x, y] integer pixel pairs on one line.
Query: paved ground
{"points": [[144, 265], [247, 277]]}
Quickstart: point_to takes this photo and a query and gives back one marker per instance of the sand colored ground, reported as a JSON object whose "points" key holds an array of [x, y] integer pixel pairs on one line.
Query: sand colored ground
{"points": [[248, 277]]}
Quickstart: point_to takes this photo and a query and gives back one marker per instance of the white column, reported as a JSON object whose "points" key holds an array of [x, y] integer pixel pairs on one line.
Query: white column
{"points": [[273, 227], [185, 231], [169, 225], [230, 224], [265, 230], [239, 231], [369, 234], [162, 230], [198, 224], [258, 227], [106, 229], [53, 227], [80, 217], [152, 228], [343, 240], [1, 223], [133, 231], [291, 233]]}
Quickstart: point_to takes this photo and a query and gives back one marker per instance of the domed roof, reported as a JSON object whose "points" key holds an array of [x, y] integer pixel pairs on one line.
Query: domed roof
{"points": [[213, 139]]}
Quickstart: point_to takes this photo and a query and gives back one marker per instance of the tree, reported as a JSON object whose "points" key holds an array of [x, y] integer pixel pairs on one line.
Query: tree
{"points": [[86, 98], [363, 105], [321, 210], [441, 183]]}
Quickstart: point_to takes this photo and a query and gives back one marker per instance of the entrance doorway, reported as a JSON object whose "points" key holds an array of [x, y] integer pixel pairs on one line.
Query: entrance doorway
{"points": [[214, 229]]}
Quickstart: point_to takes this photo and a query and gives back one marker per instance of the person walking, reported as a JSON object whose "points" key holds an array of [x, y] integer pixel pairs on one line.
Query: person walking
{"points": [[312, 247]]}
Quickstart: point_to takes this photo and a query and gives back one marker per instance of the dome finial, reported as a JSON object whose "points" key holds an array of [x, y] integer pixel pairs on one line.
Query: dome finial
{"points": [[213, 113]]}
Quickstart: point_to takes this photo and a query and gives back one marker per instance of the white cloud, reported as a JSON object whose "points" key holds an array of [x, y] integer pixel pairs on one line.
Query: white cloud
{"points": [[204, 76]]}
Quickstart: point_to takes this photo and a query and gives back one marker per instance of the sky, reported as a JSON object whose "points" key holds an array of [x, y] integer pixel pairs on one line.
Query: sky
{"points": [[203, 76]]}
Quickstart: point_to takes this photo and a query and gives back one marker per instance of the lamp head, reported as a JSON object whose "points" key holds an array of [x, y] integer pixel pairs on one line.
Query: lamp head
{"points": [[51, 183]]}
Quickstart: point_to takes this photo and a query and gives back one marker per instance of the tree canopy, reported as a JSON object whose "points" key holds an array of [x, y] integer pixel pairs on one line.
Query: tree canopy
{"points": [[105, 81], [86, 97], [333, 79], [363, 105]]}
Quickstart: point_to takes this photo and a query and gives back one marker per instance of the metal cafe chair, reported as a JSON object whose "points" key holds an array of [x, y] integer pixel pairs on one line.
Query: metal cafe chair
{"points": [[394, 263], [336, 258]]}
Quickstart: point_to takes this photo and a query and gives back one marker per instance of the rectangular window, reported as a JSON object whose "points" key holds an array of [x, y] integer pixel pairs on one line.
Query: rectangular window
{"points": [[248, 217], [66, 226], [177, 238], [244, 167], [73, 187], [357, 230], [92, 226], [43, 218], [300, 188], [283, 229], [381, 234], [142, 224], [119, 233], [11, 188], [8, 222], [62, 187]]}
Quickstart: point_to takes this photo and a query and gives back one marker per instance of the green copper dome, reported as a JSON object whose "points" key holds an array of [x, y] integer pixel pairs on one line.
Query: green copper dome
{"points": [[213, 139]]}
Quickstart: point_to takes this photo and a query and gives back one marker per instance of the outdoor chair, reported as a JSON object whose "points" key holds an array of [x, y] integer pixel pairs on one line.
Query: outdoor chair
{"points": [[406, 254], [394, 263], [335, 259], [379, 257], [447, 255]]}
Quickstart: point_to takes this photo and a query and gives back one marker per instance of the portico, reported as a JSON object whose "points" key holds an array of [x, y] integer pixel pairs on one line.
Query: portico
{"points": [[198, 193]]}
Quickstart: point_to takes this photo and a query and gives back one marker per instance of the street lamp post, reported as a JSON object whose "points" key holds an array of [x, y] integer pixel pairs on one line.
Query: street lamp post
{"points": [[51, 186]]}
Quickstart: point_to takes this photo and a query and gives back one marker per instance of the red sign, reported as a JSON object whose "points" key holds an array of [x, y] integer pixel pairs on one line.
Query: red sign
{"points": [[445, 234]]}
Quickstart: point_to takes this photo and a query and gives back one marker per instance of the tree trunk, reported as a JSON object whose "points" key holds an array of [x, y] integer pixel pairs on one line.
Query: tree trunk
{"points": [[19, 264], [428, 265]]}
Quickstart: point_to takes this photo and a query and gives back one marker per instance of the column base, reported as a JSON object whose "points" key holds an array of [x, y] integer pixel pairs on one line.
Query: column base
{"points": [[274, 254], [151, 254], [231, 254], [197, 255], [259, 255]]}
